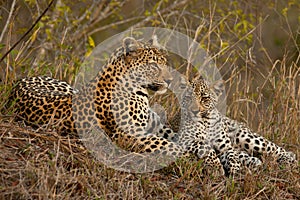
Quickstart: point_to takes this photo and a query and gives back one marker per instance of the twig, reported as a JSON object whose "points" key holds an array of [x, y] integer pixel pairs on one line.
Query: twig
{"points": [[8, 19], [174, 6], [104, 13], [27, 32], [112, 25]]}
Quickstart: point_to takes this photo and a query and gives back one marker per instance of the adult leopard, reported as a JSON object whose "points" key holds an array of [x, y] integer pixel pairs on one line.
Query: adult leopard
{"points": [[115, 101]]}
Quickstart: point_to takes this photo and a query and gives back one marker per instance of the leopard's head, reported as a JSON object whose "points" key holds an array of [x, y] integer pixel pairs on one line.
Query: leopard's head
{"points": [[147, 64], [205, 98]]}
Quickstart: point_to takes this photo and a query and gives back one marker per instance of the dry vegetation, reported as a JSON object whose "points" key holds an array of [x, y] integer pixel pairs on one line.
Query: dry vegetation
{"points": [[255, 46]]}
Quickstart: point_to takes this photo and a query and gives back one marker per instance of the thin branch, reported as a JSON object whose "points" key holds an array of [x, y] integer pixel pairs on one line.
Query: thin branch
{"points": [[108, 11], [174, 6], [27, 32], [8, 19], [112, 25]]}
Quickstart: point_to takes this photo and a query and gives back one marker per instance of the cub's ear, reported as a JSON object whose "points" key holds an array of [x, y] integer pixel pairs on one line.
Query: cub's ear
{"points": [[130, 44], [218, 88], [197, 78]]}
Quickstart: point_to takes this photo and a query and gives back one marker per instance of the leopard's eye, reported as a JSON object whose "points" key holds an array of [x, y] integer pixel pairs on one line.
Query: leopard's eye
{"points": [[205, 95]]}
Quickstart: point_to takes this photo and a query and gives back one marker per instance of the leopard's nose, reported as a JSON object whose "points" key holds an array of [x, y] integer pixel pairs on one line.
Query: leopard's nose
{"points": [[168, 81], [193, 107], [195, 112]]}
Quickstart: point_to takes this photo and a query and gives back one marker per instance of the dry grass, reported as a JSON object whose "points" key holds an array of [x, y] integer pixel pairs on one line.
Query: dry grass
{"points": [[43, 165], [262, 85]]}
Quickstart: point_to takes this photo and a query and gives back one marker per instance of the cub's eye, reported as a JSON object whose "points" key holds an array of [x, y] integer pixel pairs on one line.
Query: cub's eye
{"points": [[205, 97]]}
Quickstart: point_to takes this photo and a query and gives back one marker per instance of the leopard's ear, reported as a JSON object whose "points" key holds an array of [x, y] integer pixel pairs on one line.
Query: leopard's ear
{"points": [[154, 42], [218, 88], [130, 44], [198, 77]]}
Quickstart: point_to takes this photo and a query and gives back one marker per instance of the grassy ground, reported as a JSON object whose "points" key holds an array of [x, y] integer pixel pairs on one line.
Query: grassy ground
{"points": [[43, 165], [255, 46]]}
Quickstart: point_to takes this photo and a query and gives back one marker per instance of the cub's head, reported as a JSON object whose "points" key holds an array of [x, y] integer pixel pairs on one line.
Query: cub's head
{"points": [[196, 97], [203, 94]]}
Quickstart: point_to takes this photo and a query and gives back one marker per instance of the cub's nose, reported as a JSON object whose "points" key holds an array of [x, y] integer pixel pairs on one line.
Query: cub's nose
{"points": [[195, 112], [194, 108]]}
